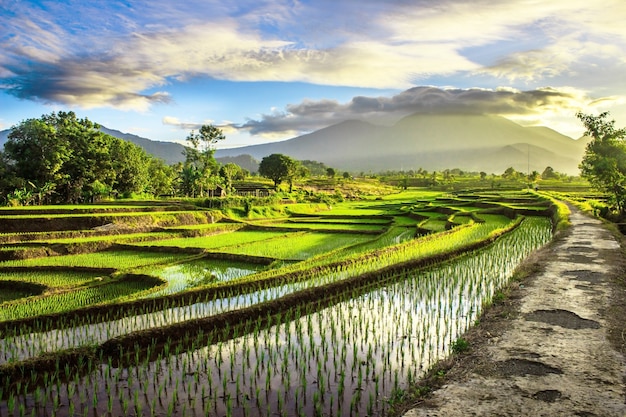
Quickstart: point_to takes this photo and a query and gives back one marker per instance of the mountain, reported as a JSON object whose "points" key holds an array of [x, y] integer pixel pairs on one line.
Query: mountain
{"points": [[170, 152], [428, 141], [245, 161], [432, 142]]}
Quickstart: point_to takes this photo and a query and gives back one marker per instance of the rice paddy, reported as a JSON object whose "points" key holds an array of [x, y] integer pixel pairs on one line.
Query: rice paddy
{"points": [[305, 316]]}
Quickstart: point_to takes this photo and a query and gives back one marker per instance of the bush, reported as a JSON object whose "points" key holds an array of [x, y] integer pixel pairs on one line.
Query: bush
{"points": [[460, 345]]}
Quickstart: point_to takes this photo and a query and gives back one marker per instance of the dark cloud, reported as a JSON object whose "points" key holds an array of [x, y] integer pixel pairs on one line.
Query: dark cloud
{"points": [[311, 115], [87, 83]]}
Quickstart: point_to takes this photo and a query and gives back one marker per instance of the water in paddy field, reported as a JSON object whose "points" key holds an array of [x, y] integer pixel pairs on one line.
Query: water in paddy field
{"points": [[352, 358], [200, 272]]}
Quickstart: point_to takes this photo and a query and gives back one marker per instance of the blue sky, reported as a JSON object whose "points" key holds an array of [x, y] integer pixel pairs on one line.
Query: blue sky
{"points": [[268, 70]]}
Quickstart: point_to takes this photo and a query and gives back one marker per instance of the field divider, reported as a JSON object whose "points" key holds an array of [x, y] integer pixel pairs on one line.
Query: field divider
{"points": [[311, 229]]}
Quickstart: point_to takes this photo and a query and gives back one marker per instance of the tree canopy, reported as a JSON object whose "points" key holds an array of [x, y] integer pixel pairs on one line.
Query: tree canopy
{"points": [[279, 168], [200, 172], [604, 162], [66, 159]]}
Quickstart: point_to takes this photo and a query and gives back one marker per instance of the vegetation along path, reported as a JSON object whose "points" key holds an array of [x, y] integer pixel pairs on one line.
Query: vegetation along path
{"points": [[560, 349]]}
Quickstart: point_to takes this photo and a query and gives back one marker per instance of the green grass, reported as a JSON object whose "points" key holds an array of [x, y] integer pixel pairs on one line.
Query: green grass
{"points": [[300, 246], [435, 225], [112, 238], [339, 220], [217, 241], [208, 226], [67, 301], [326, 226], [112, 214], [52, 279], [123, 260]]}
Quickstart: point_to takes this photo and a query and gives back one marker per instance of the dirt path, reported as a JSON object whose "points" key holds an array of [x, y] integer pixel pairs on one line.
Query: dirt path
{"points": [[560, 349]]}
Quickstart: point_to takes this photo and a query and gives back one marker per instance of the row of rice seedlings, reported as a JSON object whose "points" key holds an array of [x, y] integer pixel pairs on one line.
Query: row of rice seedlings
{"points": [[217, 241], [327, 226], [382, 221], [25, 343], [217, 226], [118, 237], [13, 247], [107, 292], [144, 319], [348, 359], [113, 214], [301, 246], [90, 208], [122, 260], [435, 224], [52, 279]]}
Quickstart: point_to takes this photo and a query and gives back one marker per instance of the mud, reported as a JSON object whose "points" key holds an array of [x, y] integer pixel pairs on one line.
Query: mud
{"points": [[556, 347]]}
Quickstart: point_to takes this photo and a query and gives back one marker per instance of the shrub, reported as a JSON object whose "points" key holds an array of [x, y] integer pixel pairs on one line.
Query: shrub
{"points": [[460, 345]]}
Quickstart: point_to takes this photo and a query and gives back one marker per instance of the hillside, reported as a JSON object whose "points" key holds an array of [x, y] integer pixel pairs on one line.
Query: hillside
{"points": [[427, 141], [431, 142], [170, 152]]}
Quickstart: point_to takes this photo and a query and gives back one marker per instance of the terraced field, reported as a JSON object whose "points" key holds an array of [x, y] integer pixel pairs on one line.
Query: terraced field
{"points": [[158, 309]]}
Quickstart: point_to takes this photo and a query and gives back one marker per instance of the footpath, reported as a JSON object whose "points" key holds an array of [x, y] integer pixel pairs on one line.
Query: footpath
{"points": [[561, 352]]}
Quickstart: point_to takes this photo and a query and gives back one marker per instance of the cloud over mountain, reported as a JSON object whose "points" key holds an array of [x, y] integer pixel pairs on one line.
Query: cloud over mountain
{"points": [[311, 115]]}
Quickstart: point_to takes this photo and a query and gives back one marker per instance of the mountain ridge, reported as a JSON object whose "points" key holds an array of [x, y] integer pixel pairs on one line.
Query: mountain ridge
{"points": [[428, 141]]}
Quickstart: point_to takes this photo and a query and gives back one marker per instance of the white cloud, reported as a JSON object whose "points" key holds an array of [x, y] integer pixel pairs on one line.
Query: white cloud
{"points": [[149, 45]]}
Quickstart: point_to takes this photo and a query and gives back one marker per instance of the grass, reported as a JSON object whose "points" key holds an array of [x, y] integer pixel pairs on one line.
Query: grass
{"points": [[122, 260], [219, 240], [300, 246], [107, 292], [326, 226], [52, 279]]}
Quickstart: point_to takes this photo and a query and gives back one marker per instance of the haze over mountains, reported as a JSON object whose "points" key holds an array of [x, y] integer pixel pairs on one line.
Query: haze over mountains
{"points": [[428, 141]]}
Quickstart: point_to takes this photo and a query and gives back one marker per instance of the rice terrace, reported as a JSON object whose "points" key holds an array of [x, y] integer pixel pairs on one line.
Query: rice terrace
{"points": [[167, 309]]}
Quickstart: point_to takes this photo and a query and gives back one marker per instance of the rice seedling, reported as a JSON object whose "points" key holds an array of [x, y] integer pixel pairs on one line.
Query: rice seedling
{"points": [[382, 338]]}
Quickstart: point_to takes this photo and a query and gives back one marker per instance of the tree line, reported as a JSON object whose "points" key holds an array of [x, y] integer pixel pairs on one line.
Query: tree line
{"points": [[60, 158]]}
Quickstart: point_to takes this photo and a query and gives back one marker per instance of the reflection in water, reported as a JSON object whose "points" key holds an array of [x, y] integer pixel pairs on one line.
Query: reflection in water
{"points": [[201, 272]]}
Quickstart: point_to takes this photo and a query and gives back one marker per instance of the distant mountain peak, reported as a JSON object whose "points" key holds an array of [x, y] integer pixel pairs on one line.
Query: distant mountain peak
{"points": [[435, 141]]}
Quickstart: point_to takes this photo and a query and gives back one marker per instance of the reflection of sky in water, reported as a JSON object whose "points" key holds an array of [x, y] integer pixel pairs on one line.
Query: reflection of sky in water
{"points": [[192, 274]]}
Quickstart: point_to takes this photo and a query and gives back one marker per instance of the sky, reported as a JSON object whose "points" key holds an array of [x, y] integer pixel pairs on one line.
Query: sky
{"points": [[268, 70]]}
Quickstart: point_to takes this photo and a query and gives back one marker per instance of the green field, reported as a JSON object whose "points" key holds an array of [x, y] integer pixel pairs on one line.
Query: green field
{"points": [[250, 303]]}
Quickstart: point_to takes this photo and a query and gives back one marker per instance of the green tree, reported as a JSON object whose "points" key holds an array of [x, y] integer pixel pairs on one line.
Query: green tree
{"points": [[188, 176], [130, 164], [201, 155], [36, 152], [510, 173], [549, 173], [67, 159], [330, 172], [604, 161], [160, 178], [62, 149], [279, 168], [229, 172]]}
